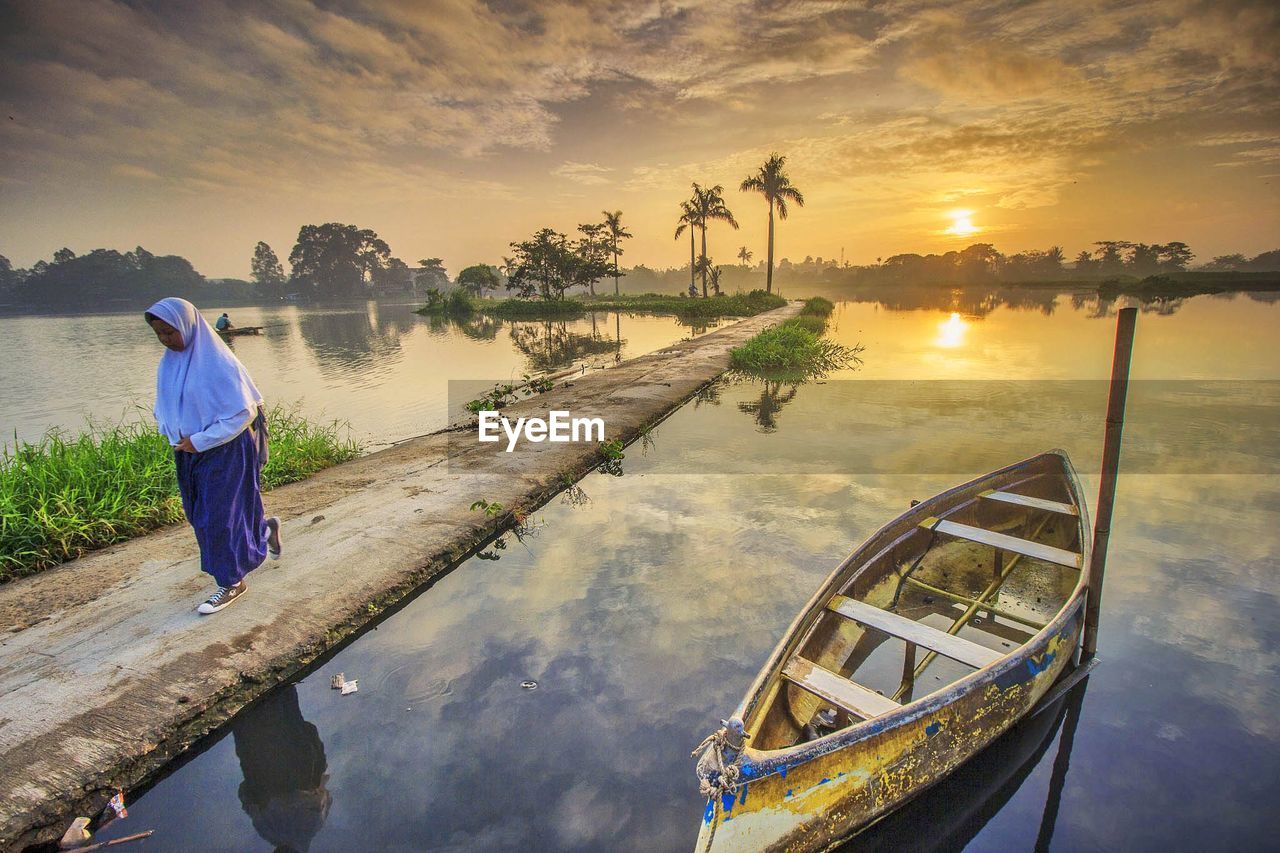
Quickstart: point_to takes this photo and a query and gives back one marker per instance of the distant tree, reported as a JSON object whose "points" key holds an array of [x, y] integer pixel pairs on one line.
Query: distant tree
{"points": [[1175, 256], [9, 277], [336, 259], [1143, 259], [593, 248], [1110, 255], [266, 270], [1049, 263], [709, 206], [688, 219], [616, 232], [978, 262], [1226, 263], [544, 266], [394, 276], [432, 269], [1085, 264], [772, 182], [1265, 262], [745, 255], [715, 280], [63, 255], [478, 278]]}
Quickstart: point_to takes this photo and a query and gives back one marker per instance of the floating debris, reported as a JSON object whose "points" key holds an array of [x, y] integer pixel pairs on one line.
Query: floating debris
{"points": [[529, 685], [350, 686], [337, 681]]}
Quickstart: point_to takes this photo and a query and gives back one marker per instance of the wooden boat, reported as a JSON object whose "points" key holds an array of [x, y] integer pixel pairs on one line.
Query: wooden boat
{"points": [[930, 640], [235, 331]]}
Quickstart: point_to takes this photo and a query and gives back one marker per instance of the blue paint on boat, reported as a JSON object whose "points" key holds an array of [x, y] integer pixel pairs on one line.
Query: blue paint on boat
{"points": [[789, 794], [742, 798], [710, 811], [727, 800], [933, 728], [1045, 663]]}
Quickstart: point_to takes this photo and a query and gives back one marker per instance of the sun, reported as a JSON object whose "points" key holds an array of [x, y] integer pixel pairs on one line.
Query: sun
{"points": [[962, 223]]}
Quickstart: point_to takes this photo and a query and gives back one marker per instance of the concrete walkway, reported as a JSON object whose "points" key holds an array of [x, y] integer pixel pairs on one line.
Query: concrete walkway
{"points": [[107, 672]]}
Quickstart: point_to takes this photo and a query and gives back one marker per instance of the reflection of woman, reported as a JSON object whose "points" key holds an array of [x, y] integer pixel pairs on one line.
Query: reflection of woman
{"points": [[208, 408], [282, 759]]}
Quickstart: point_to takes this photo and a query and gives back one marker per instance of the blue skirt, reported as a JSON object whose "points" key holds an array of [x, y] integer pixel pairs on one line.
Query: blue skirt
{"points": [[222, 501]]}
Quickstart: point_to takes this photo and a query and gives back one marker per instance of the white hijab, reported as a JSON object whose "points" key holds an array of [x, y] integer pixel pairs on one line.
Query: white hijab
{"points": [[204, 383]]}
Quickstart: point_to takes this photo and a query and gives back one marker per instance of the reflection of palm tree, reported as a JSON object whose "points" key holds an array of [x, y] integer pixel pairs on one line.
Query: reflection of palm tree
{"points": [[775, 186], [772, 399], [284, 767]]}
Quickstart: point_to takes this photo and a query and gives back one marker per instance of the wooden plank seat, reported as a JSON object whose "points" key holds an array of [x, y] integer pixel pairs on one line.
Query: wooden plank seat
{"points": [[837, 690], [1004, 542], [957, 648], [1028, 501]]}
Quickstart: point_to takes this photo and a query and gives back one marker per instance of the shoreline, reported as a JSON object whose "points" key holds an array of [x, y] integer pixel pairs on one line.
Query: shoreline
{"points": [[107, 674]]}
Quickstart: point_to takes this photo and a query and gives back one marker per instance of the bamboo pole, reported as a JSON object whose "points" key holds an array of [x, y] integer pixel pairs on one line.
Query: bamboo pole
{"points": [[1110, 470]]}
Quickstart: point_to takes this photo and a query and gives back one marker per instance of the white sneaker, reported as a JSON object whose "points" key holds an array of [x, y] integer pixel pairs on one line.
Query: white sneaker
{"points": [[220, 599]]}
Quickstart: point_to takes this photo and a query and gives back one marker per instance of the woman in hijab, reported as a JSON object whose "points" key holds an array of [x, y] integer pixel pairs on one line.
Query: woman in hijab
{"points": [[208, 408]]}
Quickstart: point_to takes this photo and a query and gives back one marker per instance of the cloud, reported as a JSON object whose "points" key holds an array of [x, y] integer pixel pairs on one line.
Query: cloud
{"points": [[590, 174]]}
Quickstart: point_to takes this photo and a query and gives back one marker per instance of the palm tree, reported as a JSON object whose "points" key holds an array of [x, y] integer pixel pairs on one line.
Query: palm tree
{"points": [[688, 219], [744, 255], [709, 204], [775, 186], [616, 232]]}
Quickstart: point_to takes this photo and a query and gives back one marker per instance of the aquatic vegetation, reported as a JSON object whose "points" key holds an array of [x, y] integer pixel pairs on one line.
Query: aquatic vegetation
{"points": [[816, 306], [792, 352], [612, 451], [457, 303], [63, 496]]}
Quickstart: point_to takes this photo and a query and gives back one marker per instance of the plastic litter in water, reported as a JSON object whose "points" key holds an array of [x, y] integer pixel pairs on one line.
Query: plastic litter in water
{"points": [[529, 685], [350, 686], [337, 681]]}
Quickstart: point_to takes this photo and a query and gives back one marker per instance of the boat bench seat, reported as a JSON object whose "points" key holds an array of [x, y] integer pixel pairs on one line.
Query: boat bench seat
{"points": [[1028, 501], [1005, 542], [948, 645], [837, 690]]}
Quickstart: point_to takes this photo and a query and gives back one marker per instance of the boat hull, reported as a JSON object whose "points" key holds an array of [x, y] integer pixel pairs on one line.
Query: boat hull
{"points": [[812, 799]]}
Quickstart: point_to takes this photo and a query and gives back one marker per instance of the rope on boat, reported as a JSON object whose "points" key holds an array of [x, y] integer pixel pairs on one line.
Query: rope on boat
{"points": [[718, 770]]}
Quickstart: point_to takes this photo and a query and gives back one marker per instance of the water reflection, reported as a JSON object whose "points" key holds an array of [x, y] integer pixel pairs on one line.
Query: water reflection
{"points": [[953, 813], [355, 338], [284, 790], [552, 344], [773, 396]]}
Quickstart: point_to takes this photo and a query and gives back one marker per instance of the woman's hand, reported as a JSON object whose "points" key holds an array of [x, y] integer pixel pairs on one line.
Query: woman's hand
{"points": [[185, 445]]}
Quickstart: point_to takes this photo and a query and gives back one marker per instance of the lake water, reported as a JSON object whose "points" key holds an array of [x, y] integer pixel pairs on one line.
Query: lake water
{"points": [[377, 366], [644, 605]]}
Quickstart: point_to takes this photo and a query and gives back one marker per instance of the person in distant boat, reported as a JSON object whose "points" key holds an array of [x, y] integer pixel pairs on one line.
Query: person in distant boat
{"points": [[223, 323], [212, 414]]}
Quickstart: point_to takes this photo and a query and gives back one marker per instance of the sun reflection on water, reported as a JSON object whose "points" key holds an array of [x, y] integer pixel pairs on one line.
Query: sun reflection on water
{"points": [[951, 331]]}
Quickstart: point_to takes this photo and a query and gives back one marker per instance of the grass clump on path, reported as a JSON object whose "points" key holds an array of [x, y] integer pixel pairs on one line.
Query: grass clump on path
{"points": [[796, 350], [63, 496]]}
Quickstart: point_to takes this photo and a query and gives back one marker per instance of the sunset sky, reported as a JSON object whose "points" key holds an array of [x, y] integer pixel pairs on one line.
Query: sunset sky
{"points": [[454, 127]]}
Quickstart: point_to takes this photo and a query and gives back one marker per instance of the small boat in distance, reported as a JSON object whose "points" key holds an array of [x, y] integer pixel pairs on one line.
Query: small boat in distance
{"points": [[925, 644], [240, 330]]}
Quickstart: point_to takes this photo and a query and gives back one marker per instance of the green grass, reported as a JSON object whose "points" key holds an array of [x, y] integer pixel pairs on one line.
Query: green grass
{"points": [[817, 307], [63, 496], [793, 351]]}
